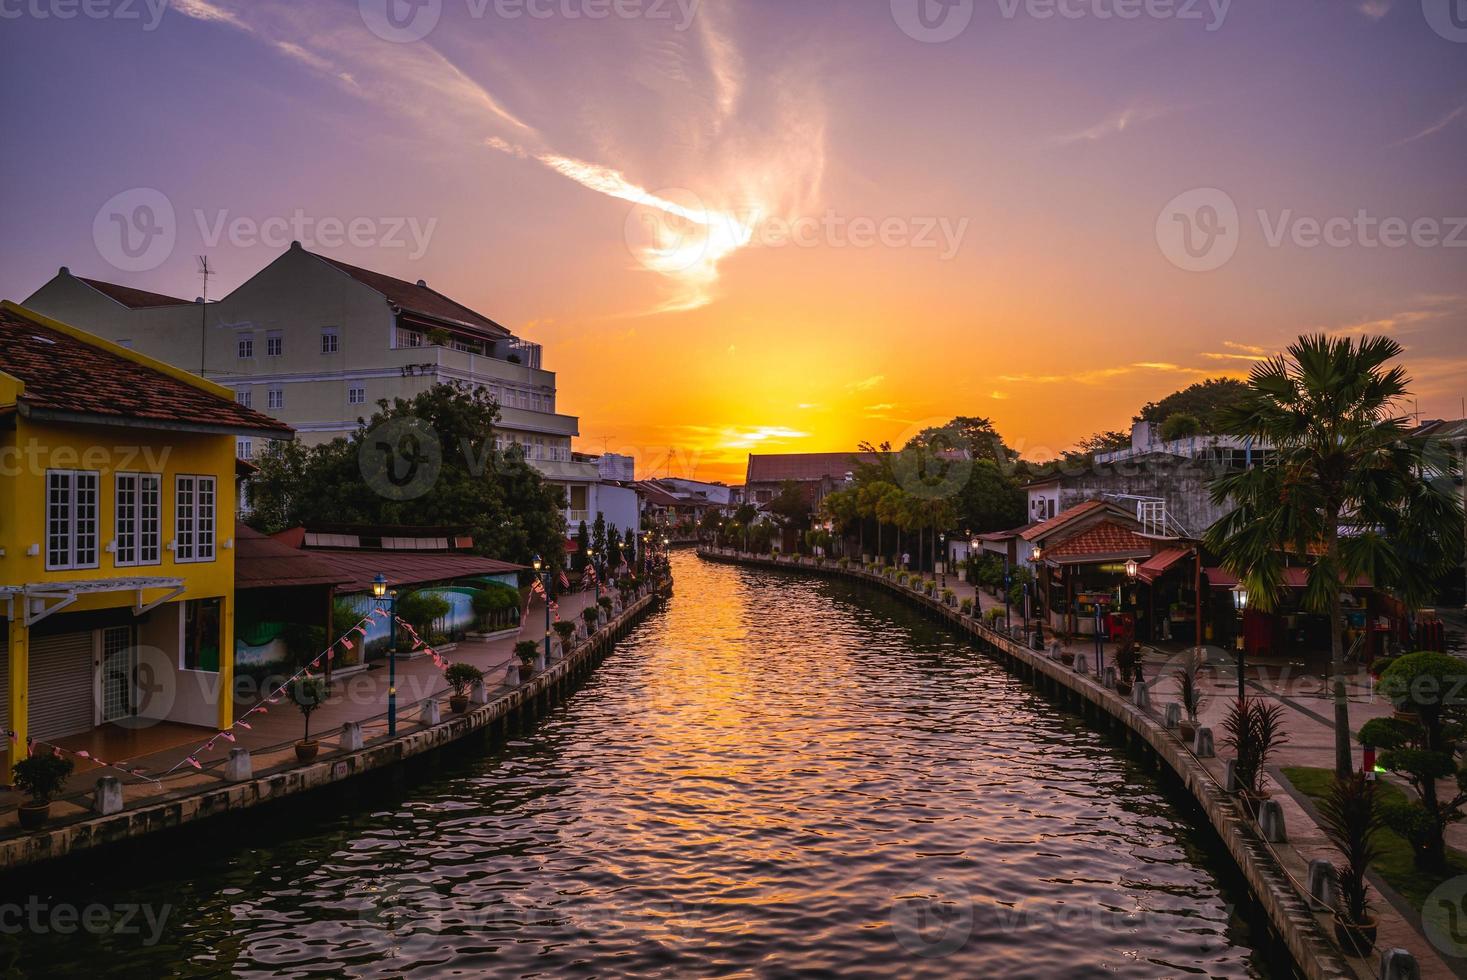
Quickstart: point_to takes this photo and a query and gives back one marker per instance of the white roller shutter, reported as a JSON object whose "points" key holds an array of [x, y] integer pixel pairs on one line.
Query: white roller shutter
{"points": [[61, 685], [4, 680]]}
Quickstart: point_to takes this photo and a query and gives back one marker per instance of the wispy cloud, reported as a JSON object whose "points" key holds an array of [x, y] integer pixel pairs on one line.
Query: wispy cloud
{"points": [[997, 395], [866, 384], [880, 407], [1374, 9], [1436, 127], [1097, 375], [1112, 125]]}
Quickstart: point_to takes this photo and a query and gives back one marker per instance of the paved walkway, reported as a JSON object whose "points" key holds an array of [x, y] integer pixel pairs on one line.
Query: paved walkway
{"points": [[1308, 723], [362, 697]]}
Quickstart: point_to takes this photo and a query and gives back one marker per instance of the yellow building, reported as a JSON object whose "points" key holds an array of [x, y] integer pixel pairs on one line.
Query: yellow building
{"points": [[117, 504]]}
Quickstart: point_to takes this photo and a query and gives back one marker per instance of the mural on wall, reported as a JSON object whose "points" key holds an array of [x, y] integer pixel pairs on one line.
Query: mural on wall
{"points": [[458, 619]]}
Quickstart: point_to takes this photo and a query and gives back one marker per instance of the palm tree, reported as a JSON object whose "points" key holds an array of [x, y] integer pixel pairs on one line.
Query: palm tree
{"points": [[1347, 489]]}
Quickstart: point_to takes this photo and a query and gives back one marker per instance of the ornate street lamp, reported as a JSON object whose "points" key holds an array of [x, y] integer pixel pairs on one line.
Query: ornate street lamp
{"points": [[540, 570], [1132, 569], [1240, 605], [383, 596]]}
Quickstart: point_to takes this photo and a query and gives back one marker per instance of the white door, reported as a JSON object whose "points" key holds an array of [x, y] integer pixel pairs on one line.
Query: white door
{"points": [[119, 666], [61, 685]]}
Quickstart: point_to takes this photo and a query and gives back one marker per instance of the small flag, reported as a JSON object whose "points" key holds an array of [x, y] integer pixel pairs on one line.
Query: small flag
{"points": [[193, 762], [348, 644]]}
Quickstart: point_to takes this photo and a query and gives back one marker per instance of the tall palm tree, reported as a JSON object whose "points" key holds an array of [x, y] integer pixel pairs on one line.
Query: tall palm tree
{"points": [[1347, 489]]}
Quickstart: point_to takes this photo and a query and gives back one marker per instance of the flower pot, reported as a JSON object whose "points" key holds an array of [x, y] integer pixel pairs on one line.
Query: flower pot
{"points": [[34, 815], [1068, 657], [1123, 688], [526, 672], [1357, 939], [305, 750], [459, 703], [1187, 729]]}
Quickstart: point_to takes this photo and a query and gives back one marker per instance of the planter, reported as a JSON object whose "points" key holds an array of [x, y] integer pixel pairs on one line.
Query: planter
{"points": [[527, 671], [1067, 657], [1187, 730], [459, 703], [1357, 939], [34, 815], [305, 751], [1123, 688]]}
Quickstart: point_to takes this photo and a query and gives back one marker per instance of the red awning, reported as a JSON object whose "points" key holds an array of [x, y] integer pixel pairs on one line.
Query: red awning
{"points": [[1294, 578], [1155, 566]]}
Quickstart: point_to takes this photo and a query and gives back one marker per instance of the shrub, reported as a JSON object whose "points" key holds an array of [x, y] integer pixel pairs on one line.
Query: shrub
{"points": [[527, 651], [966, 607], [462, 676], [1128, 661], [421, 609], [1253, 730], [308, 694], [991, 616], [1189, 683], [1352, 822], [589, 615], [566, 629], [42, 776], [605, 603]]}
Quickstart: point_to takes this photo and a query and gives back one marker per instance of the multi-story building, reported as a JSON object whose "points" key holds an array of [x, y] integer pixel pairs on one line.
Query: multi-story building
{"points": [[316, 343], [117, 484]]}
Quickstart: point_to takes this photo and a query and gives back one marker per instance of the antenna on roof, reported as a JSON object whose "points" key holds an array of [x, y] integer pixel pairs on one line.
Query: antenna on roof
{"points": [[206, 272]]}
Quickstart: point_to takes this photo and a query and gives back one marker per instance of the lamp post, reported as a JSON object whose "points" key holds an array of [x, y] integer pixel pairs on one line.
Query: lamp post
{"points": [[1008, 580], [1035, 557], [942, 543], [388, 597], [1240, 604], [540, 570]]}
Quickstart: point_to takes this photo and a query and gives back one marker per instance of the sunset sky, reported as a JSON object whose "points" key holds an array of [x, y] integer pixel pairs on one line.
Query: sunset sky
{"points": [[790, 225]]}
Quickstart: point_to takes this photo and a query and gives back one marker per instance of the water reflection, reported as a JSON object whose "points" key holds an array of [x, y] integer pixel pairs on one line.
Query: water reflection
{"points": [[772, 777]]}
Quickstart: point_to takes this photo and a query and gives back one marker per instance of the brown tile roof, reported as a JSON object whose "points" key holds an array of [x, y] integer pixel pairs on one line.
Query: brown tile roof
{"points": [[262, 562], [1104, 540], [1046, 528], [655, 495], [418, 298], [134, 299], [802, 467], [77, 374], [357, 567]]}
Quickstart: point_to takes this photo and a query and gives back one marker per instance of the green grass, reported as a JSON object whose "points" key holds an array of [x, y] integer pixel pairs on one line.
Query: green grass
{"points": [[1395, 864]]}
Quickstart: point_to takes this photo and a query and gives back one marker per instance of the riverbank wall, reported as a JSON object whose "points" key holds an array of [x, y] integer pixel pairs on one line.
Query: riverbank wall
{"points": [[159, 815], [1300, 928]]}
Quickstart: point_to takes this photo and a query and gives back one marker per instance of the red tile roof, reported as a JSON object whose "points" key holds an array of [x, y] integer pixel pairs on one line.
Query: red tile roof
{"points": [[1104, 540], [418, 298], [1294, 578], [133, 299], [76, 374], [357, 567], [262, 562], [802, 467]]}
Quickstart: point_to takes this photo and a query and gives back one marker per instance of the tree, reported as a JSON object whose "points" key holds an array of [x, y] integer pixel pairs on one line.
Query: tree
{"points": [[974, 435], [1181, 425], [1347, 490], [583, 544], [790, 507], [598, 536], [990, 500], [446, 432], [1207, 401]]}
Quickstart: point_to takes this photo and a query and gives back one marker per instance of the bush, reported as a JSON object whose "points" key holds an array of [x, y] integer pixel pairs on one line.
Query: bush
{"points": [[462, 676], [1253, 732], [527, 651], [42, 776], [566, 629], [421, 609], [966, 607], [605, 603], [1352, 822], [308, 694], [589, 615]]}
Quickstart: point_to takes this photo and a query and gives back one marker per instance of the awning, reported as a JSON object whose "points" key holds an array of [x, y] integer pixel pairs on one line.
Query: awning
{"points": [[1294, 578], [41, 599], [1156, 566]]}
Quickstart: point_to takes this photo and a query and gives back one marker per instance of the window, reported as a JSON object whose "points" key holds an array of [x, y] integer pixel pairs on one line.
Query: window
{"points": [[244, 449], [275, 398], [764, 496], [125, 343], [356, 395], [200, 647], [194, 519], [244, 397], [246, 347], [328, 340], [71, 519], [139, 518], [274, 343]]}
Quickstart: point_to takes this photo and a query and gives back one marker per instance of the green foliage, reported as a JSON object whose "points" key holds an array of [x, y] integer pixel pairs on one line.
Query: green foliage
{"points": [[604, 602], [583, 545], [1352, 822], [1254, 729], [1182, 425], [500, 500], [966, 607], [1205, 401], [589, 615], [566, 629], [527, 651], [791, 507], [1189, 683], [1128, 661], [42, 775], [422, 609], [303, 642], [308, 694], [492, 602], [462, 676]]}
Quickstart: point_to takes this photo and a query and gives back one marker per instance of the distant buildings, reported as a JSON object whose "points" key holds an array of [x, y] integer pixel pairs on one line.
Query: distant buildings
{"points": [[816, 474]]}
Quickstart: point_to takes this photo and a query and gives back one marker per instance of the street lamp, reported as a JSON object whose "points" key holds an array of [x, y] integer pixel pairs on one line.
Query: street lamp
{"points": [[1240, 605], [382, 595], [1008, 581], [942, 541], [1132, 569], [540, 570]]}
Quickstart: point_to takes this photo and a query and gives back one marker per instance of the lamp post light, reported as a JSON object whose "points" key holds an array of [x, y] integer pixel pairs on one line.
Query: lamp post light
{"points": [[541, 571], [1240, 605], [382, 595], [942, 543], [1008, 581]]}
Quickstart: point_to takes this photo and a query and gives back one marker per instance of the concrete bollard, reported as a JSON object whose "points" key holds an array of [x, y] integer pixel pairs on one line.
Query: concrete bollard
{"points": [[1323, 885], [1082, 664], [1271, 821], [351, 736], [1173, 718], [239, 766], [1110, 678], [1230, 776], [479, 693], [1141, 695], [1202, 746], [432, 712], [107, 796], [1398, 964]]}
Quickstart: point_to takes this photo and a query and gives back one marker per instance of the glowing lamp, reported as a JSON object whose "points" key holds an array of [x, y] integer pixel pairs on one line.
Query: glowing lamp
{"points": [[379, 586]]}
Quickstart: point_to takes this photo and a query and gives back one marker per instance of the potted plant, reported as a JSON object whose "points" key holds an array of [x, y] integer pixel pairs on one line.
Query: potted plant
{"points": [[307, 694], [461, 677], [41, 776], [605, 603], [1063, 637], [1254, 729], [966, 607], [565, 629], [589, 614], [1128, 666], [949, 597], [1189, 690], [1352, 821], [526, 651]]}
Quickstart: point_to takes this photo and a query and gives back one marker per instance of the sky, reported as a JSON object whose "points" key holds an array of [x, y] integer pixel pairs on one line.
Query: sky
{"points": [[785, 225]]}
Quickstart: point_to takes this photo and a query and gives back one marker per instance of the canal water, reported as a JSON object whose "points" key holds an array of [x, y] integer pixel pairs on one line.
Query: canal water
{"points": [[772, 776]]}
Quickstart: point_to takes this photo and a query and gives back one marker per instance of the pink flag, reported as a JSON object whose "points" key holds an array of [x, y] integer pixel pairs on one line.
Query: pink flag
{"points": [[193, 762], [83, 753], [347, 643], [243, 724]]}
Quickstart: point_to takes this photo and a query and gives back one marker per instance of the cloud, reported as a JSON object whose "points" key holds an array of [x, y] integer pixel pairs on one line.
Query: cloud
{"points": [[997, 395], [880, 407], [1097, 375], [866, 384], [1113, 125], [1374, 9], [1434, 128]]}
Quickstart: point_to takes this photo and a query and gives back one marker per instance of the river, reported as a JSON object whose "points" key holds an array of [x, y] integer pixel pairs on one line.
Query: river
{"points": [[772, 776]]}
